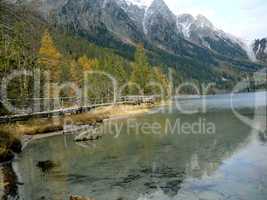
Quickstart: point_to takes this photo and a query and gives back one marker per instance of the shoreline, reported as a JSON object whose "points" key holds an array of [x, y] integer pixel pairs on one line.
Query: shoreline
{"points": [[37, 129], [30, 138]]}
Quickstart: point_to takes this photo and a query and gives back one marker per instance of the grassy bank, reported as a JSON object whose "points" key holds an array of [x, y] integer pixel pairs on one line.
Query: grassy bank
{"points": [[11, 133], [47, 125]]}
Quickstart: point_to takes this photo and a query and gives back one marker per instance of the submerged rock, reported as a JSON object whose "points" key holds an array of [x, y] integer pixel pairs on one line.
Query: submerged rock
{"points": [[46, 166], [90, 134], [87, 138], [80, 198]]}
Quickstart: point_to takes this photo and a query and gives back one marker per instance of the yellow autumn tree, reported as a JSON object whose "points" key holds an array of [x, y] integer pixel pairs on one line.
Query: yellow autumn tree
{"points": [[76, 72], [161, 79], [141, 75], [86, 63], [49, 57]]}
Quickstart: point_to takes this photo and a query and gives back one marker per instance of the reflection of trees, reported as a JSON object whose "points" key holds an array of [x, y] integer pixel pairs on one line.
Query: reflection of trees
{"points": [[51, 184], [201, 155], [133, 164], [261, 120], [10, 181], [263, 137]]}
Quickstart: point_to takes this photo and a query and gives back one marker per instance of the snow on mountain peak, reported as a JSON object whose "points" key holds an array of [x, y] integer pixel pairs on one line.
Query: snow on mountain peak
{"points": [[146, 3], [139, 3], [184, 22], [202, 21], [157, 7]]}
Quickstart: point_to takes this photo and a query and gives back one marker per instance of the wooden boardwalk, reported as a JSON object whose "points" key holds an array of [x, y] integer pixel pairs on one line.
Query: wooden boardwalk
{"points": [[131, 100]]}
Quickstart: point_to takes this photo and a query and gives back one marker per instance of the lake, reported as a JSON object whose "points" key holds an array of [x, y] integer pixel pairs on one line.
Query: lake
{"points": [[209, 153]]}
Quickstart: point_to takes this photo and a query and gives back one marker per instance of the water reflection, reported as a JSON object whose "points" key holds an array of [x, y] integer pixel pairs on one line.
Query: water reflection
{"points": [[152, 166], [9, 182], [130, 165], [263, 137]]}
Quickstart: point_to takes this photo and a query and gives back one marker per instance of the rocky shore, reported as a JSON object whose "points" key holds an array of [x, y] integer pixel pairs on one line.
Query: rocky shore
{"points": [[80, 198]]}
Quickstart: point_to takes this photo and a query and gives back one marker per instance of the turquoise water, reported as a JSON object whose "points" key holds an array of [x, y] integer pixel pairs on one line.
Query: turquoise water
{"points": [[226, 162]]}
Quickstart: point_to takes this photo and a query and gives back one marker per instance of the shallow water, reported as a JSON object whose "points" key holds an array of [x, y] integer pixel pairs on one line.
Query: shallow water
{"points": [[138, 164]]}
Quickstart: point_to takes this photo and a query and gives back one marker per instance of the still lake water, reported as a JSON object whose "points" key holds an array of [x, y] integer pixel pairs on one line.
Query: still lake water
{"points": [[167, 164]]}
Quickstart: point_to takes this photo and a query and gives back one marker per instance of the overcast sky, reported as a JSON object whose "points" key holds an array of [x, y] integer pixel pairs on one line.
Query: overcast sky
{"points": [[244, 18]]}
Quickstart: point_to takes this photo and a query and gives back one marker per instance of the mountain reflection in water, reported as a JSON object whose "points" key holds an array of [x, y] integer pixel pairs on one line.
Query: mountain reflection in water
{"points": [[230, 164]]}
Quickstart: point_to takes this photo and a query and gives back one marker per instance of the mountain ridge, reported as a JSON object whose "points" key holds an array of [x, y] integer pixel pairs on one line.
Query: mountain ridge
{"points": [[119, 25], [132, 19], [259, 49]]}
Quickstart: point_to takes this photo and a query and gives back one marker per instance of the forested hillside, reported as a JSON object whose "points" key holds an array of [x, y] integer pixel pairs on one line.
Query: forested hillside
{"points": [[30, 44]]}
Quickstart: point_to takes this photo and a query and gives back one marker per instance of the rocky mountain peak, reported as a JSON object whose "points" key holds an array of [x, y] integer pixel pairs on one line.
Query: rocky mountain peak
{"points": [[184, 23], [160, 6], [203, 22], [187, 24], [142, 21], [259, 48], [186, 18], [139, 3]]}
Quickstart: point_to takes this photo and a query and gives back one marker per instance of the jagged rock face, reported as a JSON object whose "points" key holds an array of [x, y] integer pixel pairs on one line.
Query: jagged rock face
{"points": [[100, 19], [160, 27], [81, 15], [120, 22], [202, 32], [184, 23], [134, 11], [156, 14], [45, 7], [260, 49], [131, 21]]}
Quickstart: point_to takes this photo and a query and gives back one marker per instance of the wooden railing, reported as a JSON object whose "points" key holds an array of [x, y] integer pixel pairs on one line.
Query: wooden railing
{"points": [[49, 107]]}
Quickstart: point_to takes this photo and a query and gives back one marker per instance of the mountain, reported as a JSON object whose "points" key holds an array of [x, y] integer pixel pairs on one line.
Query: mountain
{"points": [[202, 32], [159, 25], [169, 28], [135, 10], [139, 3], [190, 45], [135, 21], [98, 17], [259, 48]]}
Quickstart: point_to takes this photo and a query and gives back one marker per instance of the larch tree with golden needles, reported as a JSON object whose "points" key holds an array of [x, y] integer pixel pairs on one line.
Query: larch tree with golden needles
{"points": [[49, 57], [86, 63], [162, 80]]}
